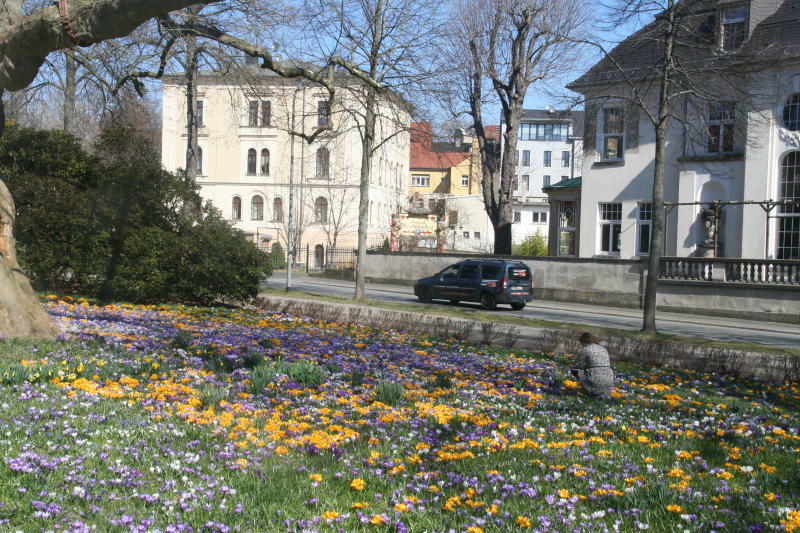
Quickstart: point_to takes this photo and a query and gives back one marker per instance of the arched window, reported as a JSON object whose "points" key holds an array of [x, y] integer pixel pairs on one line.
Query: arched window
{"points": [[257, 208], [236, 208], [321, 210], [265, 162], [323, 162], [789, 215], [791, 113], [251, 161], [199, 161], [277, 210]]}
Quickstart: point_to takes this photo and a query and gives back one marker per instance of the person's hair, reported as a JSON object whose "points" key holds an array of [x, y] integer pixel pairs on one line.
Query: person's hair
{"points": [[588, 338]]}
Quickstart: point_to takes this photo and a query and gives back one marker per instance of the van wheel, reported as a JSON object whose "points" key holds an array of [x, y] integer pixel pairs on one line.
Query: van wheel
{"points": [[488, 301], [518, 306], [424, 295]]}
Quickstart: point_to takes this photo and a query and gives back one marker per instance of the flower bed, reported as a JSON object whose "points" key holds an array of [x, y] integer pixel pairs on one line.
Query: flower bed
{"points": [[192, 419]]}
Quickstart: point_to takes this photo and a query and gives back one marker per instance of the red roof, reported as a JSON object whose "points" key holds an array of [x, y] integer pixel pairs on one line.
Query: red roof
{"points": [[492, 132], [422, 155]]}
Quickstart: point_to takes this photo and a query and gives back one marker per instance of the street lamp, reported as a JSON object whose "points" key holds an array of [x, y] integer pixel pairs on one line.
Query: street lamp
{"points": [[289, 241]]}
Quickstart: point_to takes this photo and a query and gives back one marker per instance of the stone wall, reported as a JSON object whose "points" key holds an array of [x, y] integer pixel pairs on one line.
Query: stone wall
{"points": [[611, 282]]}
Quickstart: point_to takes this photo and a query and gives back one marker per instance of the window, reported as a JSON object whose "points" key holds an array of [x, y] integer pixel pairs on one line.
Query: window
{"points": [[477, 234], [526, 182], [323, 162], [466, 235], [565, 158], [535, 217], [251, 162], [236, 208], [543, 132], [470, 271], [517, 216], [543, 217], [322, 113], [516, 157], [613, 136], [791, 113], [257, 208], [645, 223], [545, 181], [789, 215], [277, 210], [734, 28], [266, 113], [548, 158], [321, 210], [198, 113], [526, 158], [420, 180], [252, 114], [567, 218], [265, 162], [199, 161], [465, 181], [610, 227], [721, 119]]}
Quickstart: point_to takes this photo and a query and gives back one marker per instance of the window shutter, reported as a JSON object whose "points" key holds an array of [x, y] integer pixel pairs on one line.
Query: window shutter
{"points": [[590, 128], [632, 128]]}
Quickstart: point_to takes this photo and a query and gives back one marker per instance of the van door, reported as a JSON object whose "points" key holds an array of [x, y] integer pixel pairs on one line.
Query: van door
{"points": [[447, 285], [470, 281], [519, 280]]}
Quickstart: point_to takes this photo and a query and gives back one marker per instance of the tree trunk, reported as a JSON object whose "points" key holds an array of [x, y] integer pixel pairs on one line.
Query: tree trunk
{"points": [[70, 92], [21, 312], [192, 56], [508, 169], [367, 145], [661, 126]]}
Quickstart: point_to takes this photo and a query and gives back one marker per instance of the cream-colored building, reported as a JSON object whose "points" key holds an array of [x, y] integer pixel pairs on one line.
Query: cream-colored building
{"points": [[247, 157]]}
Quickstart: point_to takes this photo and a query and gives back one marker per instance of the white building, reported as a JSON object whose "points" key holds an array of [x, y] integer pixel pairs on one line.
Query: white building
{"points": [[548, 151], [731, 150], [247, 157]]}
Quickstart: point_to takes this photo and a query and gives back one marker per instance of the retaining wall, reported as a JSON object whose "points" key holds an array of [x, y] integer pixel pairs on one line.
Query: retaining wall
{"points": [[612, 282]]}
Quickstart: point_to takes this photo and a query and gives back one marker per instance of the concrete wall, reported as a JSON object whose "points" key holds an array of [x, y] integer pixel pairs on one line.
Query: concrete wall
{"points": [[612, 282]]}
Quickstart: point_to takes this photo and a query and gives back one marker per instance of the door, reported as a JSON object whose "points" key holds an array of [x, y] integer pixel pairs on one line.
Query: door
{"points": [[447, 285], [469, 282]]}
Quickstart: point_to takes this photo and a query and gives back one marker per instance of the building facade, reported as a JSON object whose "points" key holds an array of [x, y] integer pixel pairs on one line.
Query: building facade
{"points": [[445, 180], [252, 169], [732, 161], [548, 151]]}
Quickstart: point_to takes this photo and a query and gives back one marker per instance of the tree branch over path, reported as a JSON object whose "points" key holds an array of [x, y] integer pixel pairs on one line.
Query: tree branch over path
{"points": [[25, 44]]}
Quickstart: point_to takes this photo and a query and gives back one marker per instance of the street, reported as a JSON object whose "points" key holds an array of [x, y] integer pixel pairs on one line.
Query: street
{"points": [[717, 328]]}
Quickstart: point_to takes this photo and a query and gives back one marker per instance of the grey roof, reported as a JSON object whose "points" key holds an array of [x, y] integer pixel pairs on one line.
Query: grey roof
{"points": [[640, 54]]}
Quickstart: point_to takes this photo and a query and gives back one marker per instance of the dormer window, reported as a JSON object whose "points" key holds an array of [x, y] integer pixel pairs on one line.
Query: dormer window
{"points": [[734, 28]]}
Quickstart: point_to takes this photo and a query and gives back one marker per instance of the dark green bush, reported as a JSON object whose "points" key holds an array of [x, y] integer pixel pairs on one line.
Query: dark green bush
{"points": [[114, 224]]}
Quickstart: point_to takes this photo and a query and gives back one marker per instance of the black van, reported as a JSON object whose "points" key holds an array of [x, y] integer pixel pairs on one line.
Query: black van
{"points": [[488, 281]]}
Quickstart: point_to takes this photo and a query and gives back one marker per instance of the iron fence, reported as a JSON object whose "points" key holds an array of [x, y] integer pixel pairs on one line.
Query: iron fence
{"points": [[331, 261]]}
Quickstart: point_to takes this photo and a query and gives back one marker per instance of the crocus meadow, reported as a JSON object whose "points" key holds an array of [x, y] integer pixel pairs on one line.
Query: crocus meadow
{"points": [[183, 419]]}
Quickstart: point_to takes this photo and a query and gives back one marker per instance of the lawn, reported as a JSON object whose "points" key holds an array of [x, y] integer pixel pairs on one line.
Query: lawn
{"points": [[173, 418]]}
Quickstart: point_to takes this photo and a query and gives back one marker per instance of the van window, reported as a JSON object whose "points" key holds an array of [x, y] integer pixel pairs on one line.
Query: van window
{"points": [[469, 271], [490, 271], [520, 272]]}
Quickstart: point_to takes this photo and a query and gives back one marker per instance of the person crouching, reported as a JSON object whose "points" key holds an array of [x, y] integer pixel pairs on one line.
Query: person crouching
{"points": [[593, 368]]}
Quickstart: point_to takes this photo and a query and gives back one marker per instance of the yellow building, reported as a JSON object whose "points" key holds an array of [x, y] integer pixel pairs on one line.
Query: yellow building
{"points": [[441, 169]]}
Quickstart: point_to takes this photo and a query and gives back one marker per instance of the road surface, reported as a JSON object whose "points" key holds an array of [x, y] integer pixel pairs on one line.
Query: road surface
{"points": [[718, 328]]}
